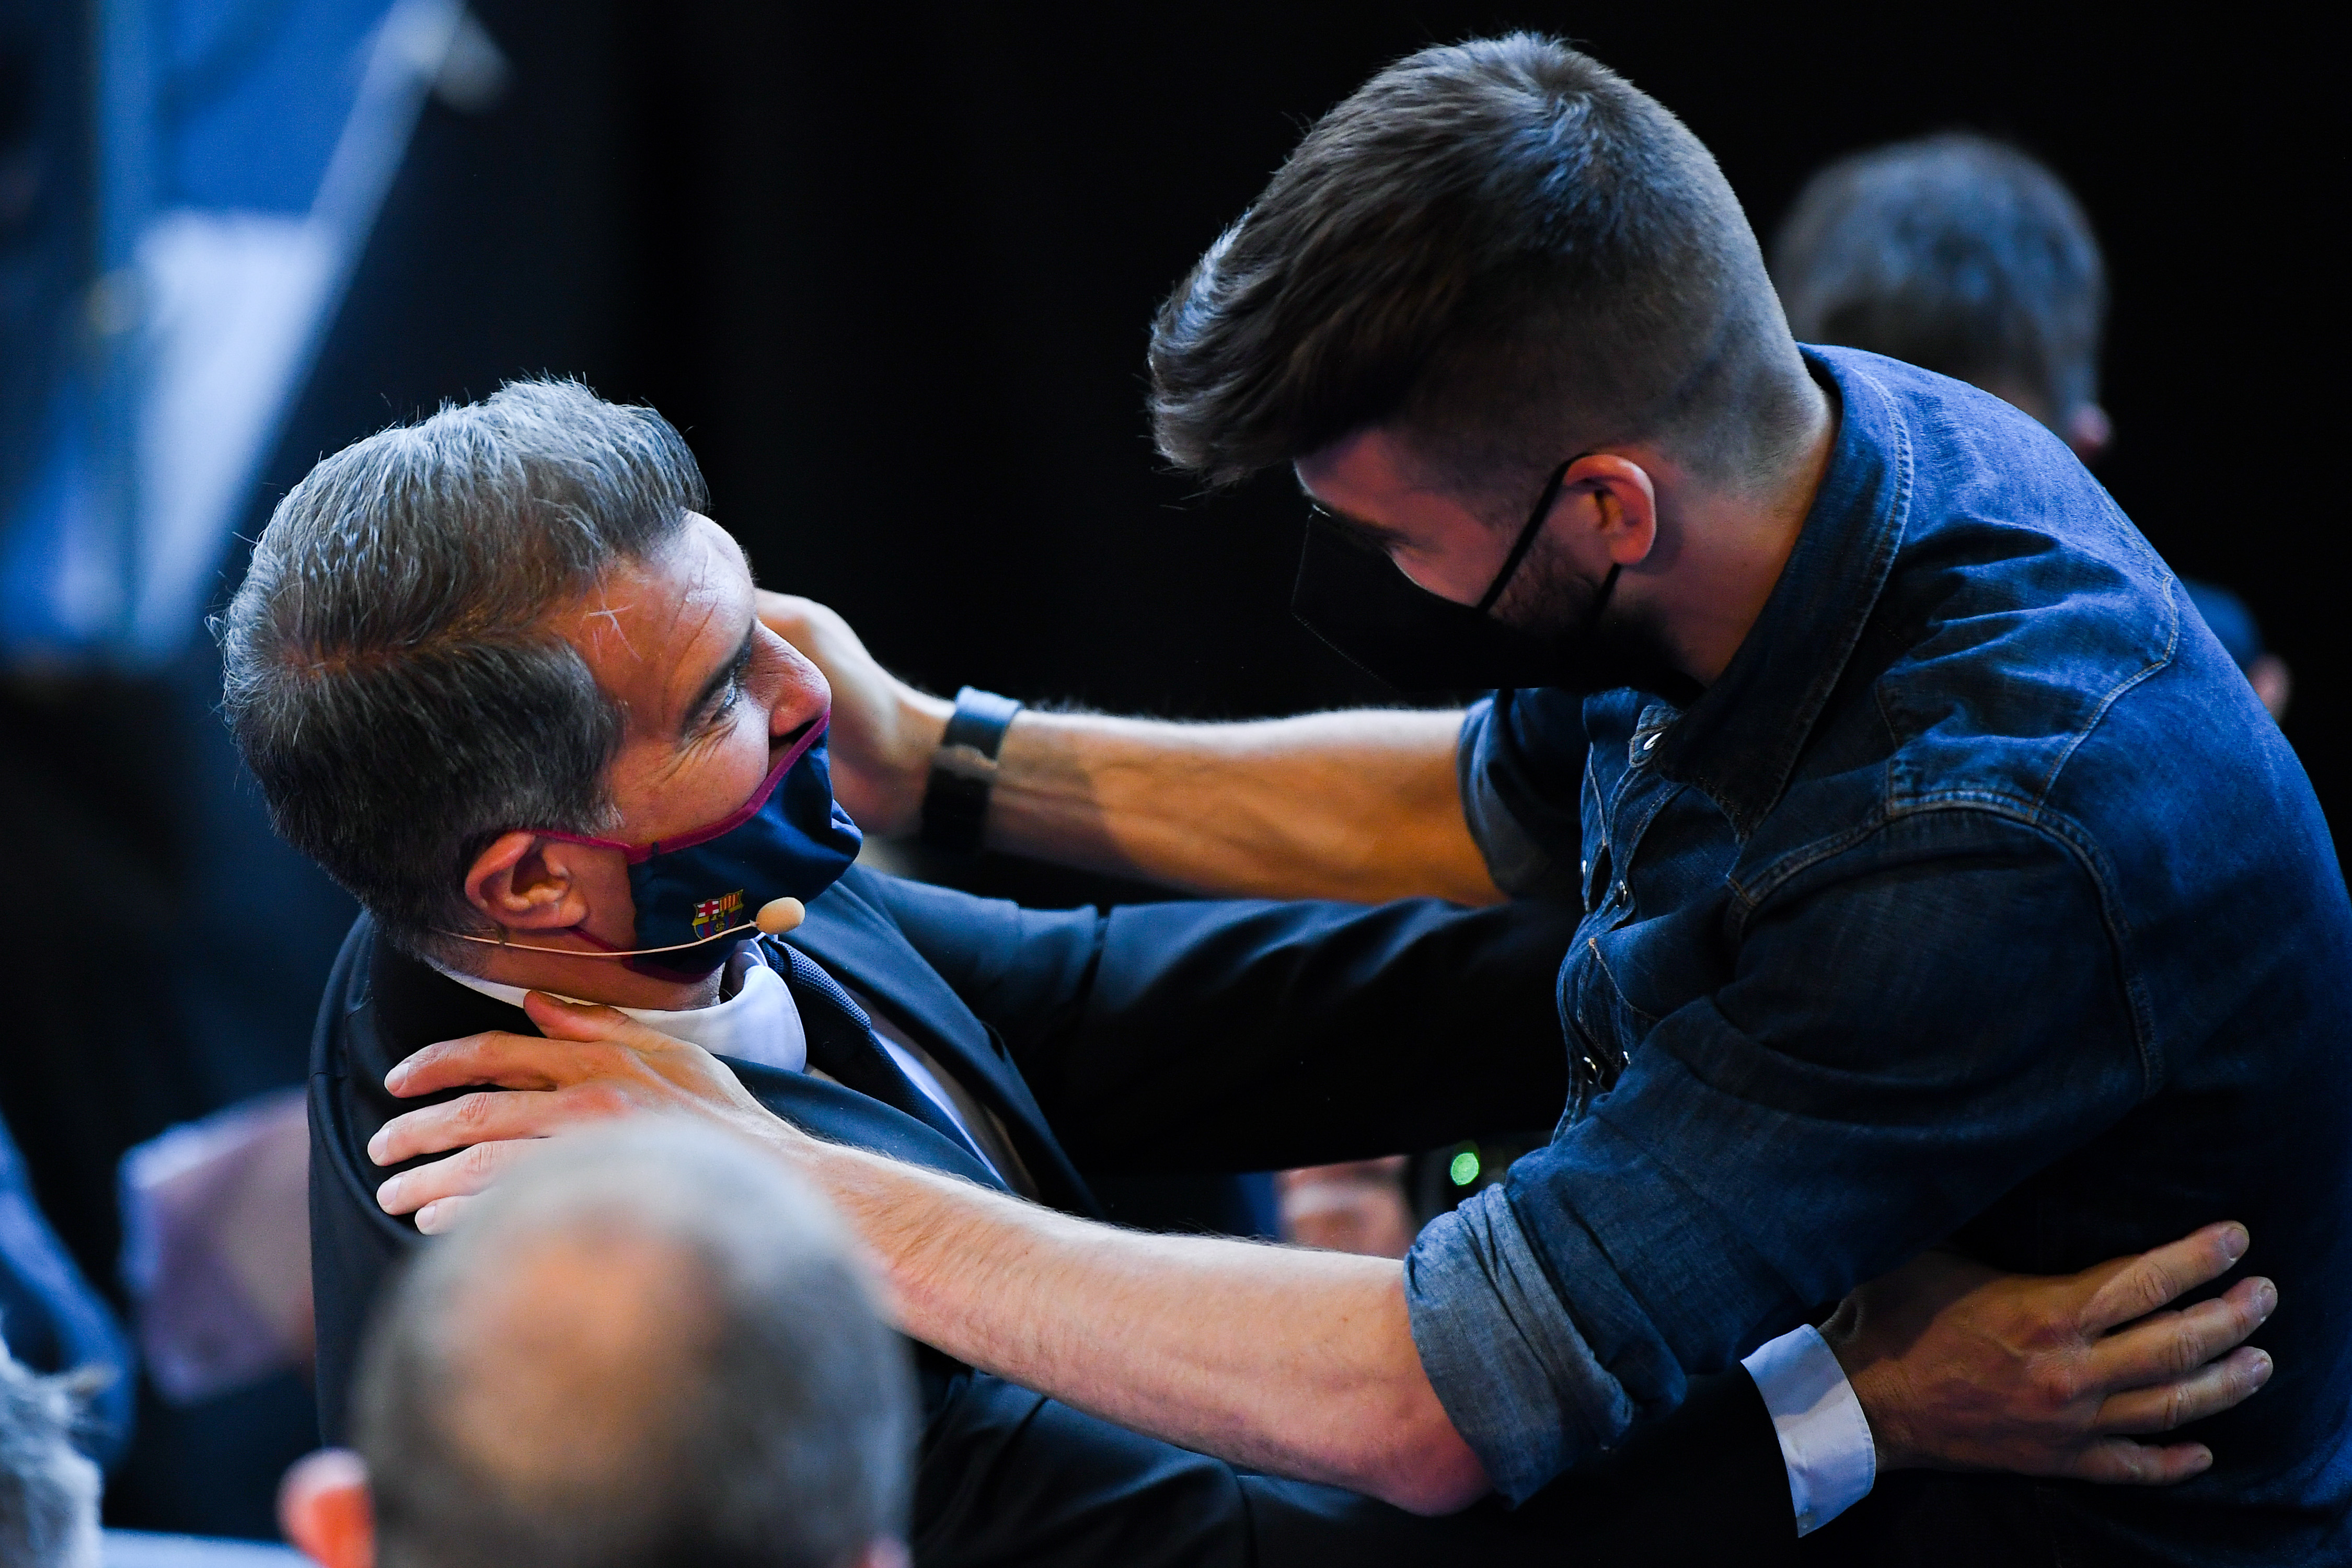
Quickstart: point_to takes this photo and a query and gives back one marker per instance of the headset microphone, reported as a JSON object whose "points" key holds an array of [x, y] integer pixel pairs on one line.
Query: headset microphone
{"points": [[690, 890], [776, 917]]}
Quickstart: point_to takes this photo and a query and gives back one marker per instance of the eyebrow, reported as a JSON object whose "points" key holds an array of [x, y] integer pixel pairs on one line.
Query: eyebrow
{"points": [[1370, 535], [732, 670]]}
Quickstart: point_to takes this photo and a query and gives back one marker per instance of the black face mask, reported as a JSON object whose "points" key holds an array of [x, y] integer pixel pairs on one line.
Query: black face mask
{"points": [[1354, 598]]}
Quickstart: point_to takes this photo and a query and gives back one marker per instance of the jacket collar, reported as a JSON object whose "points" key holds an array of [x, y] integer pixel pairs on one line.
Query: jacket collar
{"points": [[1740, 741], [416, 1004], [851, 935]]}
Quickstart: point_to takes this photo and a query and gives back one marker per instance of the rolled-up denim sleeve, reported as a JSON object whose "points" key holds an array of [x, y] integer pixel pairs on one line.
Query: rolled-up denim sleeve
{"points": [[1933, 1020], [1515, 1375]]}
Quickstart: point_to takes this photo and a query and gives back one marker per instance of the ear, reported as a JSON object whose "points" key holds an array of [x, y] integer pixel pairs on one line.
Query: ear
{"points": [[1617, 505], [325, 1510], [2272, 682], [527, 882], [2089, 431]]}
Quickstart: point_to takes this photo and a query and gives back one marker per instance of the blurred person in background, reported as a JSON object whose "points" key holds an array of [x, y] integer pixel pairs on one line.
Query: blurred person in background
{"points": [[498, 674], [651, 1348], [48, 1488], [51, 1320], [1357, 1205], [1967, 256]]}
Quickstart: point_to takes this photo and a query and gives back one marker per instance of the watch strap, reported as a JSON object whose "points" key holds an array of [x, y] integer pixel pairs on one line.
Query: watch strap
{"points": [[964, 770]]}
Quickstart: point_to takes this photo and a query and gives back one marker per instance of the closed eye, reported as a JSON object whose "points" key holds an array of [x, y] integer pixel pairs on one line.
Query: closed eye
{"points": [[1368, 536], [723, 693]]}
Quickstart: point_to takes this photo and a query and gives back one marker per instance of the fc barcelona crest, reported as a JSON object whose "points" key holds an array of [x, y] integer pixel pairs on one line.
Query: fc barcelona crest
{"points": [[714, 916]]}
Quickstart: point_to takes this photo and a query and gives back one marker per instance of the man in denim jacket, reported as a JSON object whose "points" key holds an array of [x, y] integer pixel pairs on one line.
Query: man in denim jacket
{"points": [[1976, 899]]}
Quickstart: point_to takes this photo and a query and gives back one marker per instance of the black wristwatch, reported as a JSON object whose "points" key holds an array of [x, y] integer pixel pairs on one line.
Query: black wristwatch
{"points": [[964, 770]]}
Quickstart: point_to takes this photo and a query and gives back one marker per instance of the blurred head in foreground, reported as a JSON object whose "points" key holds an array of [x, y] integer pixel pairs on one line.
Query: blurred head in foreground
{"points": [[49, 1492], [645, 1349], [1966, 257]]}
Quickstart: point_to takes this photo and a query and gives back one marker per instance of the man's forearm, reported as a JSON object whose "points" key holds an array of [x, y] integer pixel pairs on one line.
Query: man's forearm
{"points": [[1359, 805], [1300, 1363]]}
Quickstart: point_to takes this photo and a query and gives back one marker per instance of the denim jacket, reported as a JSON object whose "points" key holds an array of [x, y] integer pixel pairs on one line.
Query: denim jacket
{"points": [[1978, 903]]}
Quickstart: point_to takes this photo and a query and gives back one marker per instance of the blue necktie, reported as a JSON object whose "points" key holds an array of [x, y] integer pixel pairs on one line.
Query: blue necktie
{"points": [[842, 1045]]}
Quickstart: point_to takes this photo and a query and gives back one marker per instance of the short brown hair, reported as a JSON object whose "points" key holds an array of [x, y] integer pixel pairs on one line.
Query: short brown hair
{"points": [[1490, 243]]}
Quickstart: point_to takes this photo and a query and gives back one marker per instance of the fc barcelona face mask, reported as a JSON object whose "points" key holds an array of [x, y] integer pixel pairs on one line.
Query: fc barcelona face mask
{"points": [[700, 893]]}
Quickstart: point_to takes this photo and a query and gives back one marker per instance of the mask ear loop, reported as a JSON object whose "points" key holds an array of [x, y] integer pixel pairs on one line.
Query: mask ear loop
{"points": [[1527, 539], [776, 917]]}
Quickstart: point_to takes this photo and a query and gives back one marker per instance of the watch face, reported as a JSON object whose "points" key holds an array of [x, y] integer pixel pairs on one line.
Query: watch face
{"points": [[979, 722]]}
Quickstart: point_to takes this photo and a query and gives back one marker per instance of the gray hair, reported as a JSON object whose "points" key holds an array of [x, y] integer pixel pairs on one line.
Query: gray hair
{"points": [[767, 1421], [1956, 252], [49, 1492], [391, 677]]}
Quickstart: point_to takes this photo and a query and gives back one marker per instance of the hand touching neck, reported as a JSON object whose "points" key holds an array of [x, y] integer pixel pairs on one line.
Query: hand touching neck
{"points": [[606, 980]]}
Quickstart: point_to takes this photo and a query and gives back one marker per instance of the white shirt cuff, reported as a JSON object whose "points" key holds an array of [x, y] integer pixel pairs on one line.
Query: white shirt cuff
{"points": [[1825, 1437]]}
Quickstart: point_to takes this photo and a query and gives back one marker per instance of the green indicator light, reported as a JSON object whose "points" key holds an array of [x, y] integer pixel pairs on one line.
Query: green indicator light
{"points": [[1464, 1168]]}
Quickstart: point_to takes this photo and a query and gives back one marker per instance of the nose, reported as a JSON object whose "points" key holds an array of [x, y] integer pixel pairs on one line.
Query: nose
{"points": [[801, 694]]}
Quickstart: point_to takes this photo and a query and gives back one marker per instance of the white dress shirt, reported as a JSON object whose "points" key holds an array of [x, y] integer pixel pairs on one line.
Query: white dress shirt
{"points": [[1825, 1439]]}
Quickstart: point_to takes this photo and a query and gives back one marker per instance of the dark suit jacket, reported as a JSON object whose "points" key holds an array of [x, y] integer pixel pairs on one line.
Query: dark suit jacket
{"points": [[1207, 1036]]}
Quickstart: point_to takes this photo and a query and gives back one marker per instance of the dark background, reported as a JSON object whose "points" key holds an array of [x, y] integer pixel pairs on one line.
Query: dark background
{"points": [[896, 284], [891, 268]]}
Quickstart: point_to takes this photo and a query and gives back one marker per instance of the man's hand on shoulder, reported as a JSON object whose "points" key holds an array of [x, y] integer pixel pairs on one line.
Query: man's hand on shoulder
{"points": [[1960, 1367], [884, 730], [593, 1064]]}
